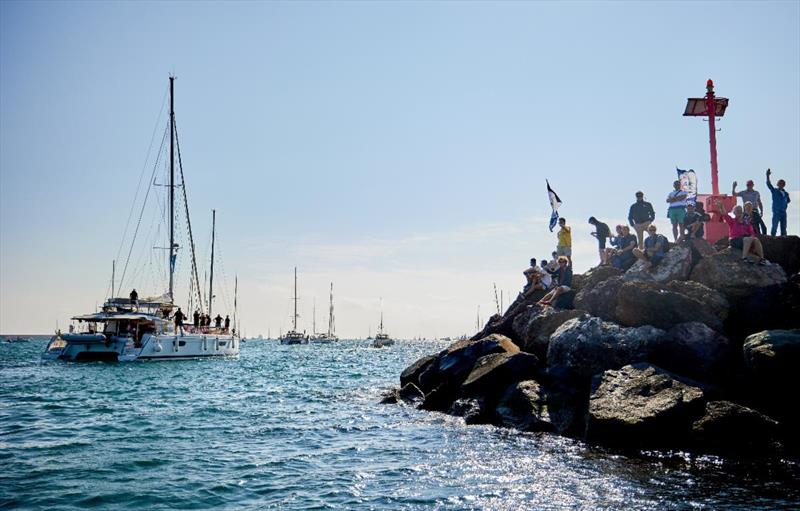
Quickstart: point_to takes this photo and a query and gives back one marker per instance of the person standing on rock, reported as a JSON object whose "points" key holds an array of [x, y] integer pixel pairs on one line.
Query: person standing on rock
{"points": [[741, 234], [677, 207], [751, 195], [562, 284], [655, 246], [640, 216], [564, 247], [780, 201], [602, 233]]}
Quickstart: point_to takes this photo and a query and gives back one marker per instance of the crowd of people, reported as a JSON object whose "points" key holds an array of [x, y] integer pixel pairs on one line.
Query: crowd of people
{"points": [[687, 218], [201, 322]]}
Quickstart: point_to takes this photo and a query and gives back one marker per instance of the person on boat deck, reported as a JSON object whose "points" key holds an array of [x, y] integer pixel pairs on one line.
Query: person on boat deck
{"points": [[562, 282], [780, 201], [741, 234], [677, 207], [196, 319], [752, 196], [134, 296], [179, 316], [227, 322], [602, 233], [218, 321], [655, 246]]}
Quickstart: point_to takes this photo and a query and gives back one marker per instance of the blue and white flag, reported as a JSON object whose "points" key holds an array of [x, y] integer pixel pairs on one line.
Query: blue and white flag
{"points": [[688, 181], [555, 202]]}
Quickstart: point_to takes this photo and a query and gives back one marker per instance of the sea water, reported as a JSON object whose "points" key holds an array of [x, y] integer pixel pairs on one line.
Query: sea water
{"points": [[301, 427]]}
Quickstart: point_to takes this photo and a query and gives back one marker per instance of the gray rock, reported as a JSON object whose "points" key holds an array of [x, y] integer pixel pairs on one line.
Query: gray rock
{"points": [[649, 303], [456, 362], [772, 358], [600, 300], [729, 428], [593, 277], [642, 405], [725, 272], [695, 350], [585, 346], [411, 373], [676, 265], [524, 407], [534, 327], [473, 410], [493, 373], [713, 302]]}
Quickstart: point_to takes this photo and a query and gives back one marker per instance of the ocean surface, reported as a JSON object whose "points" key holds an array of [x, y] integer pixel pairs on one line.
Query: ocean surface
{"points": [[300, 427]]}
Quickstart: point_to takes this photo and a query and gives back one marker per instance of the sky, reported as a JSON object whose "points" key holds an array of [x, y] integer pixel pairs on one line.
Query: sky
{"points": [[396, 149]]}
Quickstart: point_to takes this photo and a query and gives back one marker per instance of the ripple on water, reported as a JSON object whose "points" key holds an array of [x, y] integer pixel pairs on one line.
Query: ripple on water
{"points": [[300, 428]]}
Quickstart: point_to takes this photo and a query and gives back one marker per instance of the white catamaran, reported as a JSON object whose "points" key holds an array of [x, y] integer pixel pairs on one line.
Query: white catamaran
{"points": [[293, 336], [132, 329], [382, 338]]}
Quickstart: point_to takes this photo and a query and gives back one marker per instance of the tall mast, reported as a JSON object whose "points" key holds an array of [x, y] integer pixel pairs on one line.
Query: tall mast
{"points": [[236, 303], [330, 314], [294, 318], [171, 185], [381, 330], [113, 275], [314, 321], [211, 275]]}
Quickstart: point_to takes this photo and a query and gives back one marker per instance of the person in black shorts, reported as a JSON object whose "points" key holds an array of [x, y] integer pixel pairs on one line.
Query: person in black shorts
{"points": [[602, 233]]}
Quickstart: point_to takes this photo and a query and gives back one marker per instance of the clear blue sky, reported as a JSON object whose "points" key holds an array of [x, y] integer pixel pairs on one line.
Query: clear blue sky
{"points": [[399, 149]]}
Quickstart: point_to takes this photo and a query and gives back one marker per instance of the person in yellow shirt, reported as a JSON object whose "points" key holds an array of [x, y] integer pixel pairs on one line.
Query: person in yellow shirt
{"points": [[564, 247]]}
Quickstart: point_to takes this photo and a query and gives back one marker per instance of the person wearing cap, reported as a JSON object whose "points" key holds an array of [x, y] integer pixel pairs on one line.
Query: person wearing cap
{"points": [[602, 233], [640, 216], [655, 246], [677, 207], [752, 196], [780, 201]]}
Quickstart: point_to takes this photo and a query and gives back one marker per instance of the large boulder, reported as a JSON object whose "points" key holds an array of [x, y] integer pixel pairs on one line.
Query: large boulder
{"points": [[772, 358], [493, 373], [593, 277], [783, 250], [412, 373], [713, 302], [648, 303], [601, 299], [587, 345], [473, 409], [765, 308], [676, 265], [533, 327], [524, 407], [728, 274], [642, 405], [695, 350], [729, 428]]}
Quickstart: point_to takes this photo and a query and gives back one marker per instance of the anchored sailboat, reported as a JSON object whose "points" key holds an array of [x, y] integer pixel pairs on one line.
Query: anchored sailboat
{"points": [[330, 335], [382, 338], [151, 328], [293, 336]]}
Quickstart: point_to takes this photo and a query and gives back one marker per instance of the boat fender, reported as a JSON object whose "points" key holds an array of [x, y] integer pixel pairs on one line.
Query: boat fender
{"points": [[157, 347]]}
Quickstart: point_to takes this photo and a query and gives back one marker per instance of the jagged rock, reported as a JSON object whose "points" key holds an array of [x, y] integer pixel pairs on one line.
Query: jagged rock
{"points": [[493, 373], [676, 265], [701, 248], [534, 326], [472, 409], [642, 405], [456, 362], [694, 350], [773, 307], [772, 358], [565, 301], [502, 325], [585, 346], [593, 277], [713, 301], [389, 397], [524, 407], [648, 303], [784, 251], [411, 373], [725, 272], [410, 393], [600, 300], [729, 428]]}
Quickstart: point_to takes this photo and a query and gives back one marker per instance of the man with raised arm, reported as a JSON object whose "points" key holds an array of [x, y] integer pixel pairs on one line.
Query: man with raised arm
{"points": [[780, 201]]}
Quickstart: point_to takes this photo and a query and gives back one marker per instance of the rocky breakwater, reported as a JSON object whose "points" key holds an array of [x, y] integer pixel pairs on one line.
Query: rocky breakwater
{"points": [[698, 354]]}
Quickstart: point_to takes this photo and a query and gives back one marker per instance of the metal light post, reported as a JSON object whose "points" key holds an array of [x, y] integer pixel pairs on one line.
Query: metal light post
{"points": [[711, 107]]}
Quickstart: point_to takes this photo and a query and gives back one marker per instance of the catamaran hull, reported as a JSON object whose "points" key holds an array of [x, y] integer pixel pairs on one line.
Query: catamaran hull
{"points": [[153, 347]]}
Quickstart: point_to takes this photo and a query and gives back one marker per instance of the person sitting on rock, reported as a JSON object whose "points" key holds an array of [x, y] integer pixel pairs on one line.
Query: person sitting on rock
{"points": [[544, 265], [563, 281], [530, 274], [655, 246], [552, 266], [692, 227], [623, 257], [741, 234]]}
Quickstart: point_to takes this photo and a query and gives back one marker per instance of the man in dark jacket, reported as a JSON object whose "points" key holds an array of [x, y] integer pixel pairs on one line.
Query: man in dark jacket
{"points": [[780, 201], [640, 216]]}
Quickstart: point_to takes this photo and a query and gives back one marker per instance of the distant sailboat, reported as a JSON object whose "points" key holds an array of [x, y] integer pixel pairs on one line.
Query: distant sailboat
{"points": [[293, 336], [330, 336], [382, 338]]}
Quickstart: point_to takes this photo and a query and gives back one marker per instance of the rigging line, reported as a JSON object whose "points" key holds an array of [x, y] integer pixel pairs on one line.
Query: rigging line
{"points": [[186, 204], [139, 222], [141, 174]]}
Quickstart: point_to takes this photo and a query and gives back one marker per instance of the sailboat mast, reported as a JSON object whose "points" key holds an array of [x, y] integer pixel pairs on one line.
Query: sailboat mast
{"points": [[236, 302], [330, 314], [171, 185], [314, 321], [294, 318], [211, 275], [381, 330]]}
